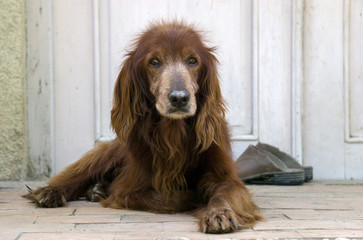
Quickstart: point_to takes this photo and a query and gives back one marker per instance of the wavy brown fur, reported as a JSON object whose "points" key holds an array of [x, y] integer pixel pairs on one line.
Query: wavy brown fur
{"points": [[160, 163]]}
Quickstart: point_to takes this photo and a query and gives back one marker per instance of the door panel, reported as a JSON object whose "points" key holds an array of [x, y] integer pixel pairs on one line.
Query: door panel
{"points": [[353, 85], [323, 89], [290, 71]]}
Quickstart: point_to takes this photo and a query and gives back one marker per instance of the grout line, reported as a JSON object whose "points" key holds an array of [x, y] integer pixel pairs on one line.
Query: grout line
{"points": [[73, 213], [19, 235]]}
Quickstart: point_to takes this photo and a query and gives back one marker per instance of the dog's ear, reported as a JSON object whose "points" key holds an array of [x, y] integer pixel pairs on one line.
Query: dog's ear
{"points": [[211, 116], [127, 100]]}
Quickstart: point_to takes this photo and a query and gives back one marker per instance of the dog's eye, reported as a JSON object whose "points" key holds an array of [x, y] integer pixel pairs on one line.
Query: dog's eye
{"points": [[192, 61], [154, 62]]}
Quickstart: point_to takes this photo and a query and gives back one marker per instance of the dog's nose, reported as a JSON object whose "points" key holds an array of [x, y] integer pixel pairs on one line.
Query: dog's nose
{"points": [[179, 98]]}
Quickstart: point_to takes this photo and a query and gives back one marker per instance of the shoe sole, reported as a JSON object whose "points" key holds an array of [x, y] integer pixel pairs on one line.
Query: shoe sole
{"points": [[278, 178], [308, 173]]}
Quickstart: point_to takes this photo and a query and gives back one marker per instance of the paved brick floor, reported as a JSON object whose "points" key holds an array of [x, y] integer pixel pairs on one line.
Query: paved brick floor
{"points": [[314, 210]]}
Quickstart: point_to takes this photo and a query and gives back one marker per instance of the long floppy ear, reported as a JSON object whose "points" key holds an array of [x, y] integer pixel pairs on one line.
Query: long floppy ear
{"points": [[127, 100], [210, 125]]}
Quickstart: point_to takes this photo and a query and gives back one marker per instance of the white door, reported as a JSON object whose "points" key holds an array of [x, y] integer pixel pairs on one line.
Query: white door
{"points": [[270, 75], [333, 88]]}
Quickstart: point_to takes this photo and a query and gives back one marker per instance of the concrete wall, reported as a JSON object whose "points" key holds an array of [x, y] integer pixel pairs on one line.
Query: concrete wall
{"points": [[13, 129]]}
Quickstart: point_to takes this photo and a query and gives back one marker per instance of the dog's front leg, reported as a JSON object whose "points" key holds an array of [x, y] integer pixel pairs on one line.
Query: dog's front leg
{"points": [[229, 206]]}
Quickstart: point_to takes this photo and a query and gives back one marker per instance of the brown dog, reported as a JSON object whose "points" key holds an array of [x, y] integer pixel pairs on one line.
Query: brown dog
{"points": [[173, 148]]}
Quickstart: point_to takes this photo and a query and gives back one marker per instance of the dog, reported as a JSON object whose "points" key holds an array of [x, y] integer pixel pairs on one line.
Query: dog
{"points": [[172, 152]]}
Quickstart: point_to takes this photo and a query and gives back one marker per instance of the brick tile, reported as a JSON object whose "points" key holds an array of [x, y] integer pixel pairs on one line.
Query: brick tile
{"points": [[256, 235], [36, 212], [274, 214], [55, 219], [161, 235], [129, 227], [262, 203], [341, 233], [301, 214], [101, 210], [297, 224], [26, 227], [9, 236], [186, 235], [67, 236], [138, 236], [17, 219], [15, 205], [341, 214], [10, 195], [180, 227], [357, 203], [308, 204], [257, 190], [297, 195], [167, 235], [128, 218], [305, 214], [351, 224]]}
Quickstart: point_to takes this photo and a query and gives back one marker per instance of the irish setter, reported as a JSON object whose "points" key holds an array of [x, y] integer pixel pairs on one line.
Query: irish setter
{"points": [[172, 151]]}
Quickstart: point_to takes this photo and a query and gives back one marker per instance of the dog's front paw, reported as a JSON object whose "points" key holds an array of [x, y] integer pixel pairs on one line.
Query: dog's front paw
{"points": [[46, 197], [218, 220], [97, 193]]}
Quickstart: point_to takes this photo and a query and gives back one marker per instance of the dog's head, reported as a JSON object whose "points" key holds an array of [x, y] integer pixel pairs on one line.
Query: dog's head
{"points": [[172, 61], [171, 70]]}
